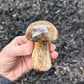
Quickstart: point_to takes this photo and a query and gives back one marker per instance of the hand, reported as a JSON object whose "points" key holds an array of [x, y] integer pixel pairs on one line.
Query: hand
{"points": [[15, 58]]}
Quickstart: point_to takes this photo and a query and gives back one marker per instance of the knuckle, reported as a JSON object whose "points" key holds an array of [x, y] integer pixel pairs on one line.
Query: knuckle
{"points": [[17, 37]]}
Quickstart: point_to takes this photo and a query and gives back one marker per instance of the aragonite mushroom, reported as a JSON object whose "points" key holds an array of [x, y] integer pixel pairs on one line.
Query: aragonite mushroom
{"points": [[41, 32]]}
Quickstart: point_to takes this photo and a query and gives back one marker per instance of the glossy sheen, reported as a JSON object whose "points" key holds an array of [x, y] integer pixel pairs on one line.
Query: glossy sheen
{"points": [[41, 31]]}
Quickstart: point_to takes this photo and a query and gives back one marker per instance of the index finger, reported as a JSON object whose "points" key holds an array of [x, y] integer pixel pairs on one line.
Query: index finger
{"points": [[19, 40]]}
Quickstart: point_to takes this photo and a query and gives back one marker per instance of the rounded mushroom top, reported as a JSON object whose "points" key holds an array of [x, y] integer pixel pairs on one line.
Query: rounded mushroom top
{"points": [[41, 31]]}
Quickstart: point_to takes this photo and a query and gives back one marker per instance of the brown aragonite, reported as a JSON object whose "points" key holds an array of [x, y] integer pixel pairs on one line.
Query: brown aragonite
{"points": [[41, 32]]}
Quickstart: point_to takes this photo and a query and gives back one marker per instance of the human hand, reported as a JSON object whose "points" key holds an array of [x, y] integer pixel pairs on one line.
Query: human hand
{"points": [[15, 58]]}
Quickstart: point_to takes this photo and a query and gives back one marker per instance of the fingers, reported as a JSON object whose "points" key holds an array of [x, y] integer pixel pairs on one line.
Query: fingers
{"points": [[54, 54], [52, 47], [19, 40], [25, 49]]}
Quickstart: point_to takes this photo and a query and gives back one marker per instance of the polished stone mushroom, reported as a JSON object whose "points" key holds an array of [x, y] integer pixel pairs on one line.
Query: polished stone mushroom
{"points": [[41, 32]]}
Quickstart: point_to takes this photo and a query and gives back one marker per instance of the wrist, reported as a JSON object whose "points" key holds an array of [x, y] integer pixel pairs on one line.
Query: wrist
{"points": [[3, 71], [6, 75], [4, 80]]}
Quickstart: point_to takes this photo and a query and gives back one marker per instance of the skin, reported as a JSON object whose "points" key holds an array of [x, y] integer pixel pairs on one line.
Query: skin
{"points": [[16, 57]]}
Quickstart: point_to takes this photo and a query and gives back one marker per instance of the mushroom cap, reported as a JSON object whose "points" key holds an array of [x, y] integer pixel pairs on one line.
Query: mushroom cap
{"points": [[41, 31]]}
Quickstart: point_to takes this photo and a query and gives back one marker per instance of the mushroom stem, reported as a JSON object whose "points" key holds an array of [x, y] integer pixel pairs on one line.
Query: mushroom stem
{"points": [[41, 59]]}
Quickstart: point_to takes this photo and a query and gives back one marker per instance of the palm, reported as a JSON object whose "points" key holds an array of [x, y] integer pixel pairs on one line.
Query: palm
{"points": [[22, 65]]}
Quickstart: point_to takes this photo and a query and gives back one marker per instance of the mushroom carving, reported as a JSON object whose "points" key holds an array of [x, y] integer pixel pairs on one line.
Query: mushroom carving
{"points": [[41, 32]]}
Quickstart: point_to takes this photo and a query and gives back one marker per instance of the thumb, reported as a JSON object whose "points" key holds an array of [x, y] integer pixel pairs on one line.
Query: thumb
{"points": [[25, 49]]}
